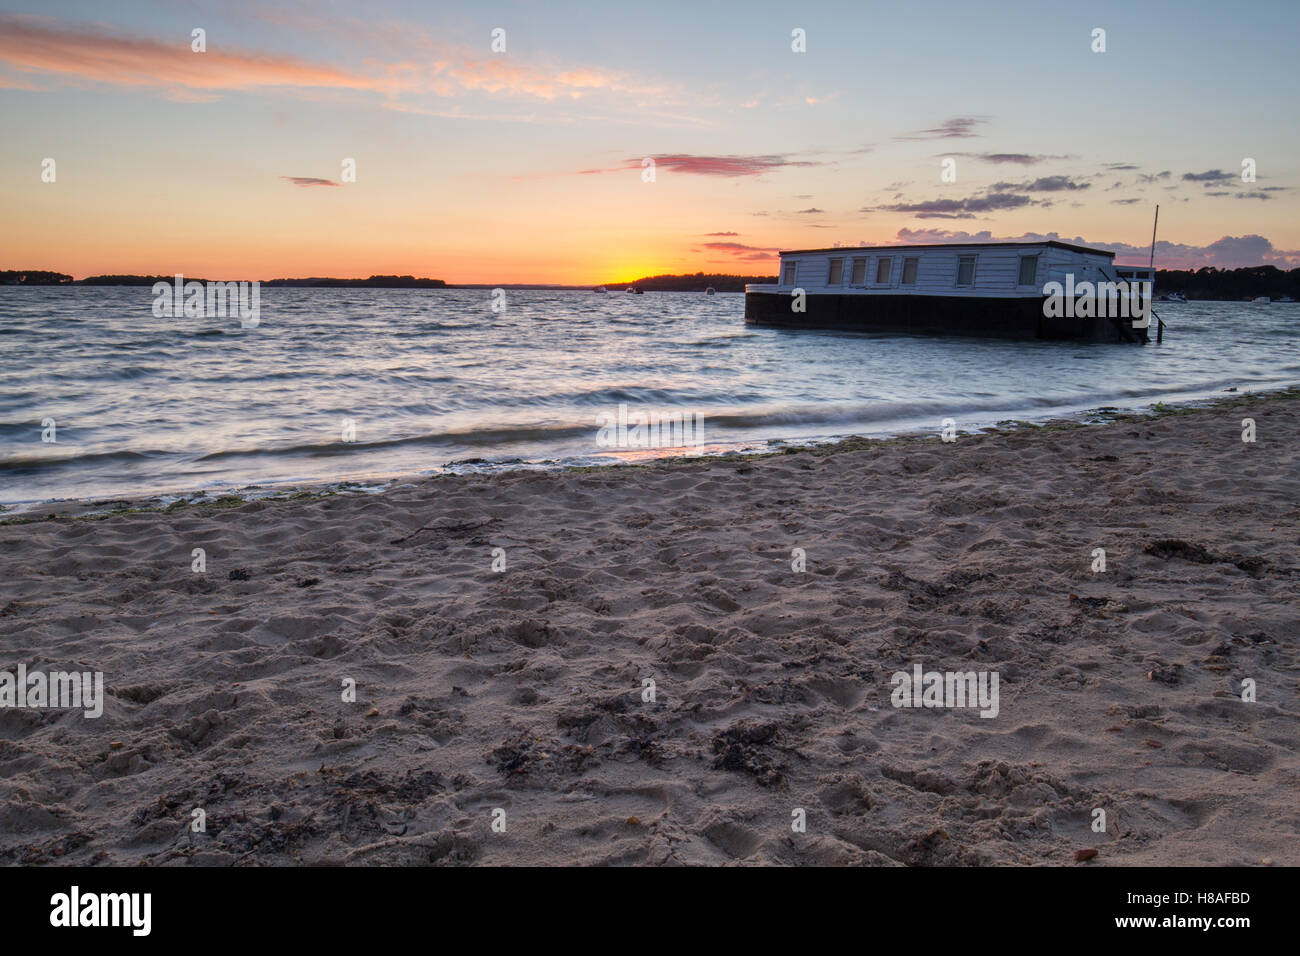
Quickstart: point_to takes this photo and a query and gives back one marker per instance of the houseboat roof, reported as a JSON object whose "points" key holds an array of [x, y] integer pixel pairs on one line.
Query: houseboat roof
{"points": [[950, 245]]}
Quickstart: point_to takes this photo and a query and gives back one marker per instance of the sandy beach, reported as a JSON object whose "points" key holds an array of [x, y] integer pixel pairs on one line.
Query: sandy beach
{"points": [[524, 690]]}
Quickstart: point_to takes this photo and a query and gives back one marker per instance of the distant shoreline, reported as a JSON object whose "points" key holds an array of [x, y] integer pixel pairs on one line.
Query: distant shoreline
{"points": [[1206, 284], [697, 282], [42, 278]]}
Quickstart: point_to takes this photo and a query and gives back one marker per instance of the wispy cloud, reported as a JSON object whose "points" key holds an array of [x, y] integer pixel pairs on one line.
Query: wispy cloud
{"points": [[966, 208], [75, 53], [1215, 182], [1044, 184], [726, 166], [740, 252], [998, 197], [1228, 252], [310, 181], [494, 75], [14, 83], [959, 127], [737, 247], [1209, 176], [87, 54], [1018, 159]]}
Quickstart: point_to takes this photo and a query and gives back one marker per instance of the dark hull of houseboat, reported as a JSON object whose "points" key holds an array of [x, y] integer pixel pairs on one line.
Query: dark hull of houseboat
{"points": [[1001, 318]]}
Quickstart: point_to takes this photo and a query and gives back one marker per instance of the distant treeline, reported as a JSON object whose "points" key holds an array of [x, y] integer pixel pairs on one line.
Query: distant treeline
{"points": [[35, 277], [1203, 283], [1229, 284], [134, 280], [688, 283], [374, 282]]}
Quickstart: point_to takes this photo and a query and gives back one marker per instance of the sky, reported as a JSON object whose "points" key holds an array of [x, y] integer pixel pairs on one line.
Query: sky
{"points": [[513, 142]]}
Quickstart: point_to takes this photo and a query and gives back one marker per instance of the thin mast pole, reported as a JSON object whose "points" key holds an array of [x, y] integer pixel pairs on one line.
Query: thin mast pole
{"points": [[1152, 263], [1160, 325]]}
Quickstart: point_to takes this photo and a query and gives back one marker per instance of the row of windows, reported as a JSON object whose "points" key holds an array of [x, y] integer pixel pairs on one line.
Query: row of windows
{"points": [[885, 267]]}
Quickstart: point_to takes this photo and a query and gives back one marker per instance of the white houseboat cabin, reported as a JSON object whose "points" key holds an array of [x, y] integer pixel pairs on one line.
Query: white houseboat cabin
{"points": [[989, 289]]}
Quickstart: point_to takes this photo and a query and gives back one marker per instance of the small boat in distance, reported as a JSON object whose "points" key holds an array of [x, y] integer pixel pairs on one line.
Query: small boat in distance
{"points": [[600, 288], [633, 290], [1015, 290], [709, 291], [1172, 297], [1261, 300]]}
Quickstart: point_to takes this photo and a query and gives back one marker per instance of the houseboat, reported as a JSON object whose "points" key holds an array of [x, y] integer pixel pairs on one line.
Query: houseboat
{"points": [[1019, 290]]}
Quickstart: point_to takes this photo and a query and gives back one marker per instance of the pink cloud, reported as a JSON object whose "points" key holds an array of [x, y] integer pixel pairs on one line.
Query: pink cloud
{"points": [[76, 53], [36, 46]]}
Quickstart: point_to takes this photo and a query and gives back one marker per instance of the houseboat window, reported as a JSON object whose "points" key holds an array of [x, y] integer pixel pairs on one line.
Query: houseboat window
{"points": [[787, 277], [909, 270], [1028, 270], [859, 271], [883, 267], [837, 272], [965, 270]]}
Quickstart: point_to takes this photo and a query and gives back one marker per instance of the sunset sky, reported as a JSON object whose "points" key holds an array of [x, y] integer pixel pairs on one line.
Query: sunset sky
{"points": [[526, 166]]}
